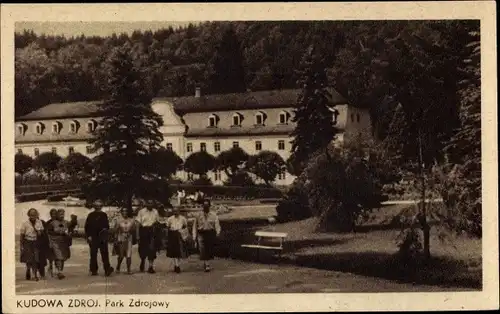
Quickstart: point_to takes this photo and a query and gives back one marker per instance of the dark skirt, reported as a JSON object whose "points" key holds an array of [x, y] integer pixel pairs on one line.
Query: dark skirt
{"points": [[30, 254], [176, 247], [206, 244], [147, 243]]}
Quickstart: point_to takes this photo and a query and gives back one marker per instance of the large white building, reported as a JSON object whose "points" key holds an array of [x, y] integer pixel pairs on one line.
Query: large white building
{"points": [[253, 121]]}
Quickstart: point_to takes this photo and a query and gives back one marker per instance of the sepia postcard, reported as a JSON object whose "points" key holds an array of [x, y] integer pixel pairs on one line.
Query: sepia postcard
{"points": [[249, 157]]}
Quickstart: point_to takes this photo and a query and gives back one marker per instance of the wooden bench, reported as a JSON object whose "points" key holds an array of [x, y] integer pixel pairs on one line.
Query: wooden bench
{"points": [[267, 235]]}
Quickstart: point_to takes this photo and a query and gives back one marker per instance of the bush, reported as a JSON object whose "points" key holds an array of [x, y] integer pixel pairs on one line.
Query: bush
{"points": [[202, 181], [295, 205], [55, 198]]}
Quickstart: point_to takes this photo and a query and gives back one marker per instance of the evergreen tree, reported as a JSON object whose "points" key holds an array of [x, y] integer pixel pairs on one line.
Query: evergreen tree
{"points": [[314, 130], [228, 73], [126, 136]]}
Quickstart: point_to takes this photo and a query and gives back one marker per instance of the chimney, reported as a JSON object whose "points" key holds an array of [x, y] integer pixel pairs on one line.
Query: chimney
{"points": [[197, 92]]}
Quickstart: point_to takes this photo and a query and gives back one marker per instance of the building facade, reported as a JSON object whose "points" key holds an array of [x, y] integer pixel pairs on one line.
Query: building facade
{"points": [[253, 121]]}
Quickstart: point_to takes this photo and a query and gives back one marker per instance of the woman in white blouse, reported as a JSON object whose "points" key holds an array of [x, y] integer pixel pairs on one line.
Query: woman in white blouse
{"points": [[206, 229], [30, 234], [177, 235]]}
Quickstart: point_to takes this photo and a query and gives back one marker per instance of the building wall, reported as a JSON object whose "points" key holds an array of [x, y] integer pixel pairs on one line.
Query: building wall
{"points": [[358, 123], [62, 148], [30, 136]]}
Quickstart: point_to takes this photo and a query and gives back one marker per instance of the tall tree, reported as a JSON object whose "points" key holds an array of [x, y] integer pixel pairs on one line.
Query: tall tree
{"points": [[47, 163], [228, 73], [22, 164], [232, 161], [313, 115], [126, 136], [200, 163], [266, 165]]}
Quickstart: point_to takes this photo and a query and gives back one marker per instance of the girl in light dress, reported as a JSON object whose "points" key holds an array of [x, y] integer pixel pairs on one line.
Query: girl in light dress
{"points": [[178, 233], [124, 227]]}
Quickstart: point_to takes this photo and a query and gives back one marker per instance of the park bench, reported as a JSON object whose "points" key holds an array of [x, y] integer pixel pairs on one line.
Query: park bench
{"points": [[262, 236]]}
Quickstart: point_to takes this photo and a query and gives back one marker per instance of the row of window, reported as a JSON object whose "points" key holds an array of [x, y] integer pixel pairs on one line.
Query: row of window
{"points": [[57, 126], [217, 148], [260, 118], [357, 117], [218, 176], [71, 150]]}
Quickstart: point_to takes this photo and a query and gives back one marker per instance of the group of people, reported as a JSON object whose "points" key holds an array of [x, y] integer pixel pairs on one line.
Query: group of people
{"points": [[49, 242], [197, 198], [46, 242]]}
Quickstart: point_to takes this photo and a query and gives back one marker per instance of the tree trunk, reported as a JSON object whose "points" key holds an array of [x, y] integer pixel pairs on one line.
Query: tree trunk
{"points": [[423, 213]]}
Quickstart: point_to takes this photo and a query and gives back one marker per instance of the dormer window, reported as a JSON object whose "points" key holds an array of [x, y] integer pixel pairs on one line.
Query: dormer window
{"points": [[56, 127], [21, 128], [259, 118], [91, 126], [39, 128], [73, 127], [237, 119], [212, 121], [283, 117]]}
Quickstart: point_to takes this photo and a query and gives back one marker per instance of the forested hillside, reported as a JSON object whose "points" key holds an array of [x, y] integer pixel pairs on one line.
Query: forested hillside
{"points": [[374, 64]]}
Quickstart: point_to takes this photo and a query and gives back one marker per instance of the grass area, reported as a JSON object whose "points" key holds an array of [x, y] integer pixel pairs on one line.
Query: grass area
{"points": [[371, 251]]}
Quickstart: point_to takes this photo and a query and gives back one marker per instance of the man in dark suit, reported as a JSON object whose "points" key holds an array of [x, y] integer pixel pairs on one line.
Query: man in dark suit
{"points": [[96, 231]]}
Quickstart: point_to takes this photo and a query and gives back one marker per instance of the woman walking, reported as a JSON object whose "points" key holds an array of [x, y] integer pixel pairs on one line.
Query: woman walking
{"points": [[177, 236], [30, 233], [124, 228], [60, 241], [206, 228]]}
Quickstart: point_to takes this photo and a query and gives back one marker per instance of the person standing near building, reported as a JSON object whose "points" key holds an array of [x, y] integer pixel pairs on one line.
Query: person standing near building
{"points": [[96, 231], [177, 226], [147, 219], [49, 254], [123, 228], [206, 229], [30, 233], [60, 241]]}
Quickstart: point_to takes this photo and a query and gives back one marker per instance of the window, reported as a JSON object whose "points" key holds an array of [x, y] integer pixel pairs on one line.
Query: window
{"points": [[212, 121], [203, 147], [20, 129], [190, 176], [281, 145], [54, 150], [72, 127], [357, 117], [39, 128], [89, 149], [71, 149], [283, 118], [217, 176], [169, 146], [236, 144], [352, 117], [37, 152], [19, 151], [56, 127], [189, 147], [281, 176], [91, 126], [259, 118], [236, 119], [217, 146], [258, 145]]}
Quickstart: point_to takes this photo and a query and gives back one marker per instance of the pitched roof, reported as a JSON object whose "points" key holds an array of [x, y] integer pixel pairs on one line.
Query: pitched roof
{"points": [[64, 110], [241, 101], [187, 104]]}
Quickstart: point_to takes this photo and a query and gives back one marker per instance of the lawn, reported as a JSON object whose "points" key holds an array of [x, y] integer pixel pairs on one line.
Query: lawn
{"points": [[371, 251]]}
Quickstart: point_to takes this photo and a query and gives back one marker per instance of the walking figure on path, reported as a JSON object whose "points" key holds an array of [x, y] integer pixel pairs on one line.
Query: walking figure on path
{"points": [[30, 234], [206, 229], [49, 254], [124, 229], [178, 233], [147, 218], [59, 241], [96, 231]]}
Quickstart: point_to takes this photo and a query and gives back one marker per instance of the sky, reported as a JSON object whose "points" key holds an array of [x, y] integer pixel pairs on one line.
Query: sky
{"points": [[70, 29]]}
